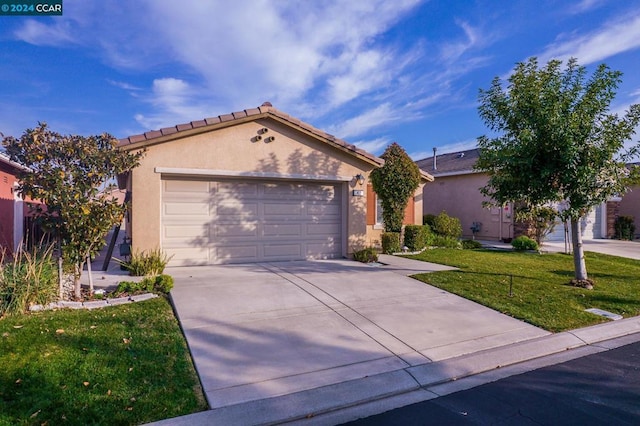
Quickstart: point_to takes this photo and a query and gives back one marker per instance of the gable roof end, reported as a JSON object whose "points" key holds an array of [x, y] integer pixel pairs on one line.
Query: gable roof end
{"points": [[265, 110]]}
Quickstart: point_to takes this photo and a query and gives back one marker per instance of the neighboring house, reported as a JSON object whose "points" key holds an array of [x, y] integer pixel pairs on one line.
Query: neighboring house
{"points": [[12, 208], [627, 205], [457, 191], [255, 185]]}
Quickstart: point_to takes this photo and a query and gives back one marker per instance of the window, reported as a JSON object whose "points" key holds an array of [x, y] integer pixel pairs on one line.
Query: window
{"points": [[379, 219]]}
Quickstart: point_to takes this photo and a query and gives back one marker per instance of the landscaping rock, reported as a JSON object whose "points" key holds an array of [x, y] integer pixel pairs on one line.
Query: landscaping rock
{"points": [[141, 297], [118, 301], [95, 304], [70, 305]]}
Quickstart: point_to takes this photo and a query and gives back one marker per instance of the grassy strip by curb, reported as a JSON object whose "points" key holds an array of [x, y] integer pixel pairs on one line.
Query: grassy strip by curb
{"points": [[126, 364]]}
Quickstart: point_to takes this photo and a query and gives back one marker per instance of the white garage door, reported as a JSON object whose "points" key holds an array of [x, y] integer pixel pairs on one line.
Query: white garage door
{"points": [[233, 221]]}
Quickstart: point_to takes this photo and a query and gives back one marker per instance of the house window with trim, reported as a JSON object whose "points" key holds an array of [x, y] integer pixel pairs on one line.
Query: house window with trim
{"points": [[379, 219]]}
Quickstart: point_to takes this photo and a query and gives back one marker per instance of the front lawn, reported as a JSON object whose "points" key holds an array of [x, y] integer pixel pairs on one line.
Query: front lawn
{"points": [[540, 295], [125, 365]]}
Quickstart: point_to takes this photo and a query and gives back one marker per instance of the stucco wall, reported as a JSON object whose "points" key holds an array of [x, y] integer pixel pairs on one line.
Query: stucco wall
{"points": [[460, 197], [630, 206], [235, 149]]}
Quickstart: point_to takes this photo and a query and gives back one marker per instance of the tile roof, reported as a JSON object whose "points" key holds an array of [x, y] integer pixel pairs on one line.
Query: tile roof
{"points": [[265, 110], [454, 162], [4, 159]]}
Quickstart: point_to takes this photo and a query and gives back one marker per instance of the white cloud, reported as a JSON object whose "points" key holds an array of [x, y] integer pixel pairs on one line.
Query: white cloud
{"points": [[369, 119], [586, 5], [173, 101], [613, 38], [452, 51], [124, 85], [280, 51], [374, 146], [40, 34], [458, 146]]}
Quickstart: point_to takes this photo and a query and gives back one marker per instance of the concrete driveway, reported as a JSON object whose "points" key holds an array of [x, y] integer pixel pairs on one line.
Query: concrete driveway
{"points": [[259, 331], [630, 249]]}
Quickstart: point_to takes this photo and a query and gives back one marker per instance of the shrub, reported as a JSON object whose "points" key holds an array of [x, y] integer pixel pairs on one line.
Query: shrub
{"points": [[390, 242], [163, 284], [447, 226], [32, 278], [625, 228], [366, 255], [158, 284], [429, 219], [524, 243], [471, 244], [445, 242], [143, 263], [416, 237]]}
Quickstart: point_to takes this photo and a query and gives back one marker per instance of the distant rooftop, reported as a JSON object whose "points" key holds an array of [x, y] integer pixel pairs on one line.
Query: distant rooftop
{"points": [[454, 162]]}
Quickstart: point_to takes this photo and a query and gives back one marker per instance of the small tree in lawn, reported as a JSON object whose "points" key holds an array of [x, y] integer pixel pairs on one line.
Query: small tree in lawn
{"points": [[66, 172], [395, 182], [556, 141]]}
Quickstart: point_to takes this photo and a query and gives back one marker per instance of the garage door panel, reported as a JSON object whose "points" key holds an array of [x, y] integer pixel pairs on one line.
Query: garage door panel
{"points": [[328, 229], [231, 221], [241, 253], [235, 188], [186, 209], [188, 255], [282, 209], [290, 191], [181, 231], [235, 208], [283, 251], [231, 230], [324, 210], [320, 192], [179, 187], [282, 230], [324, 250]]}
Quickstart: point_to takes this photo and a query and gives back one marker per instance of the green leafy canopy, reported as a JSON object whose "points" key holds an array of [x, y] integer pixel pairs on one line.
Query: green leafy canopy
{"points": [[66, 173], [394, 183], [556, 138]]}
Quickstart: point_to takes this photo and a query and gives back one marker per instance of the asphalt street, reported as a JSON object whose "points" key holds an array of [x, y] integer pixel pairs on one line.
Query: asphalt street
{"points": [[599, 389]]}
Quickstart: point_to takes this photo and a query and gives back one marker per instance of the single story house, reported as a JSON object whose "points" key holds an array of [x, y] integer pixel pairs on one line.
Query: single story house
{"points": [[13, 212], [251, 186], [457, 191]]}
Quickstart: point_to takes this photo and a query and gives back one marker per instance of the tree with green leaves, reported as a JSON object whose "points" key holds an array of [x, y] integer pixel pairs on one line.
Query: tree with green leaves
{"points": [[66, 173], [395, 183], [556, 141]]}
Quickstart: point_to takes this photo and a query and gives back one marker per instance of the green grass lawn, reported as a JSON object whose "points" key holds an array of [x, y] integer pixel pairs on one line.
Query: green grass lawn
{"points": [[540, 292], [122, 365]]}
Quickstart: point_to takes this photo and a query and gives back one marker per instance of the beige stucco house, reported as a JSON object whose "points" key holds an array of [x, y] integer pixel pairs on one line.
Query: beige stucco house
{"points": [[456, 190], [255, 185]]}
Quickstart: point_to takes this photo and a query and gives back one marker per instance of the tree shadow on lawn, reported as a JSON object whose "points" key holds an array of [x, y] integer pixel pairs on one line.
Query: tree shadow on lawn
{"points": [[570, 274]]}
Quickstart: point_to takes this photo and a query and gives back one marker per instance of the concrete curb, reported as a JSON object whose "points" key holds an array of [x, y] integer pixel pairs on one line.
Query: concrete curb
{"points": [[375, 394], [93, 304]]}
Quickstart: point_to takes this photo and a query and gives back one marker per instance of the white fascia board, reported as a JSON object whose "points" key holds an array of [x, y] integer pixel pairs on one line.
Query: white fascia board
{"points": [[253, 175]]}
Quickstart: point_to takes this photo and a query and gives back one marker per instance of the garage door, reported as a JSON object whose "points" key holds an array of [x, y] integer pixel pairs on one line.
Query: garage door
{"points": [[239, 221]]}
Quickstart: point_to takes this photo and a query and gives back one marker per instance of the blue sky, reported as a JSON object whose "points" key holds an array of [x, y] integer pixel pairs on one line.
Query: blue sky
{"points": [[369, 71]]}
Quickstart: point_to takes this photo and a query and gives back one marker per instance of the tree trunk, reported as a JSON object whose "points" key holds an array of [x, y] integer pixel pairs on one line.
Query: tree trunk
{"points": [[76, 281], [578, 251]]}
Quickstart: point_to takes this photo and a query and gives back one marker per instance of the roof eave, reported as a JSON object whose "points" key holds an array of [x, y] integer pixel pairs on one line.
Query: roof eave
{"points": [[209, 124]]}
